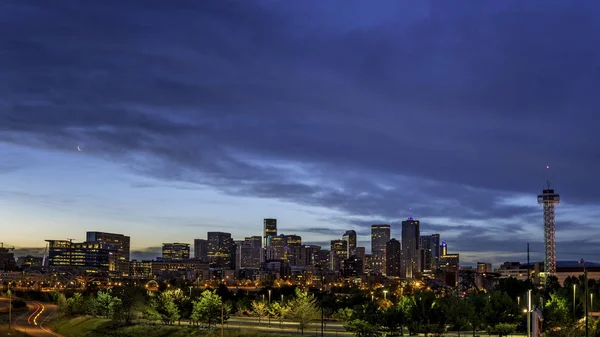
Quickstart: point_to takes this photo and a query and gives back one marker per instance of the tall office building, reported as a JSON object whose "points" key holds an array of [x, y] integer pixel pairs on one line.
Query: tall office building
{"points": [[304, 256], [248, 253], [360, 253], [276, 247], [65, 253], [201, 250], [292, 242], [484, 267], [176, 251], [253, 241], [350, 237], [269, 229], [119, 246], [7, 259], [410, 248], [339, 253], [431, 252], [392, 261], [221, 250], [380, 235]]}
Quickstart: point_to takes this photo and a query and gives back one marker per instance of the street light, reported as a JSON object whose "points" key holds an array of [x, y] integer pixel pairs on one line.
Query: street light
{"points": [[9, 306], [269, 311], [574, 288], [591, 303], [385, 294], [585, 297], [528, 310]]}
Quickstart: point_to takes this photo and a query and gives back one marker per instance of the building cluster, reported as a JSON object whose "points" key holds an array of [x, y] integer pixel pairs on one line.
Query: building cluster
{"points": [[269, 257]]}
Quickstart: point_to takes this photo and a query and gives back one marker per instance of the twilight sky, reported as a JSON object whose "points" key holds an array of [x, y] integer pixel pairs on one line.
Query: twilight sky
{"points": [[212, 115]]}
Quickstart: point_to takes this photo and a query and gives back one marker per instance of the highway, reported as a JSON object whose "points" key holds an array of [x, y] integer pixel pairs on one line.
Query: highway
{"points": [[32, 321]]}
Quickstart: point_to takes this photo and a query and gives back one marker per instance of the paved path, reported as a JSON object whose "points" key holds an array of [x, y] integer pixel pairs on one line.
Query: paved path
{"points": [[32, 321]]}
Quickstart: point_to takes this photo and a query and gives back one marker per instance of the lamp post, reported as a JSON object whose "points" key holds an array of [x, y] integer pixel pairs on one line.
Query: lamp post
{"points": [[529, 313], [385, 294], [269, 311], [586, 295], [9, 306], [322, 304], [574, 315], [519, 300], [591, 303]]}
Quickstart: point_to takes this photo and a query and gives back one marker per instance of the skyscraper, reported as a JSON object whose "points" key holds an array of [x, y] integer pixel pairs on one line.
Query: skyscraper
{"points": [[176, 251], [432, 252], [350, 237], [269, 229], [380, 235], [410, 248], [360, 253], [339, 253], [201, 249], [119, 247], [221, 250], [392, 260]]}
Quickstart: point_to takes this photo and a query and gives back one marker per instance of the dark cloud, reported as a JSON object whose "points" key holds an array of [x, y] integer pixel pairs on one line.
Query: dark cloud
{"points": [[149, 253], [446, 109]]}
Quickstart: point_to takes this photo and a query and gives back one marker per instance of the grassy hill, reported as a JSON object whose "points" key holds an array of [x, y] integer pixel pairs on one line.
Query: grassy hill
{"points": [[99, 327]]}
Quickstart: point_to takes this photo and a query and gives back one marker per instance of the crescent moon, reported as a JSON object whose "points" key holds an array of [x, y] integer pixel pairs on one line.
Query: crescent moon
{"points": [[78, 148]]}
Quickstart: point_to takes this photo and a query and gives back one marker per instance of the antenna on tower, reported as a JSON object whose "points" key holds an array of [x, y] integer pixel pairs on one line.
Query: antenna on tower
{"points": [[410, 217], [548, 176]]}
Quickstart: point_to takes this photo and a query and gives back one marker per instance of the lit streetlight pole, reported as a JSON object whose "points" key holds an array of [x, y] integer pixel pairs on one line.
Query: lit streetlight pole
{"points": [[269, 311], [9, 306], [586, 295], [574, 289], [385, 294], [529, 313]]}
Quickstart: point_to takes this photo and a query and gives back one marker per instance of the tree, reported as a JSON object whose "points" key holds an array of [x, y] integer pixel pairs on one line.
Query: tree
{"points": [[500, 308], [344, 314], [502, 329], [77, 305], [393, 319], [304, 309], [166, 308], [105, 302], [362, 328], [279, 311], [210, 308], [181, 301], [150, 310], [259, 309], [131, 301], [475, 306], [61, 303], [556, 311], [460, 312]]}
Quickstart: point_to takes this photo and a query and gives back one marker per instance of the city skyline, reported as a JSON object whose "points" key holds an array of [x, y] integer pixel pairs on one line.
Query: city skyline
{"points": [[329, 118]]}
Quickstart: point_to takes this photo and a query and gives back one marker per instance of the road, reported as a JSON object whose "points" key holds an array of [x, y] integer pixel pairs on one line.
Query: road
{"points": [[32, 321]]}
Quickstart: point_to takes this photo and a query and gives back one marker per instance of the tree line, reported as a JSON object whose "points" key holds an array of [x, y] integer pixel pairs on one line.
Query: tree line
{"points": [[393, 310]]}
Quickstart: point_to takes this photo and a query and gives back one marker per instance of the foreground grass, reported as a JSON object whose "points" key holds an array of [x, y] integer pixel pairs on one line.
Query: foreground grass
{"points": [[4, 331], [99, 327]]}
